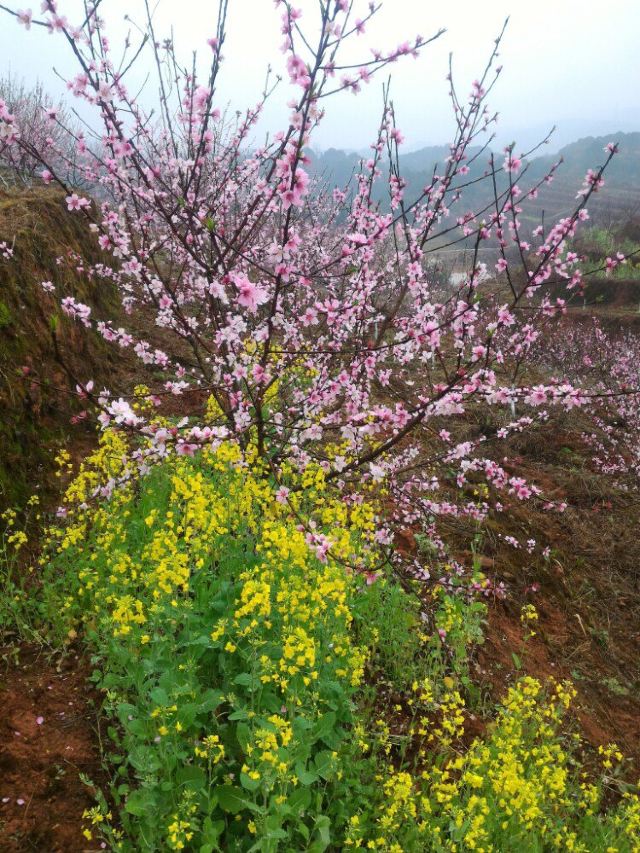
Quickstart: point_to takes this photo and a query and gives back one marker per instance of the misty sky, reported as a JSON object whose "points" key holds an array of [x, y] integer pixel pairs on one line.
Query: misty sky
{"points": [[566, 62]]}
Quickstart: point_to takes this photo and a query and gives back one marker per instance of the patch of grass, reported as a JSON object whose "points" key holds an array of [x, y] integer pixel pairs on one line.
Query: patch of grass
{"points": [[5, 315]]}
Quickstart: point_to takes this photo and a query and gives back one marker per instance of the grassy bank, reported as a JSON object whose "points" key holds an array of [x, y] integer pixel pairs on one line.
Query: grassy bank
{"points": [[45, 242]]}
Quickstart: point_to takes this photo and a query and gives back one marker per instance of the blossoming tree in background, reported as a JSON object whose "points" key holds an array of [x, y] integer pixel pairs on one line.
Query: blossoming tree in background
{"points": [[308, 316], [43, 123]]}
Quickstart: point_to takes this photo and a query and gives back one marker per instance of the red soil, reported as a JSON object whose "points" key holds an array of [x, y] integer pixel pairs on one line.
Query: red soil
{"points": [[48, 737]]}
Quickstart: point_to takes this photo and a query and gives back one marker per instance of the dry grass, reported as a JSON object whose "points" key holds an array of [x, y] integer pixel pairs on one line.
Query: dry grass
{"points": [[35, 412]]}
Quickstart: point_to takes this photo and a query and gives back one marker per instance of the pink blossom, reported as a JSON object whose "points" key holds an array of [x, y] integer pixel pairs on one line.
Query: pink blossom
{"points": [[298, 71], [183, 448], [259, 374], [203, 225], [25, 17], [282, 494], [511, 163], [201, 97], [122, 413], [76, 310], [250, 295], [75, 202]]}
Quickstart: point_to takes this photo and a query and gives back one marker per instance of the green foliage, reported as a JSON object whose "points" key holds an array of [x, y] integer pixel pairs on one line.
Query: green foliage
{"points": [[225, 651], [387, 621], [244, 680], [20, 611], [597, 244], [5, 315]]}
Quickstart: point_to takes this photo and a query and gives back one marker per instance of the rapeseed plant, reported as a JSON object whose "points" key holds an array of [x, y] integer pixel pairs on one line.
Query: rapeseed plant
{"points": [[239, 663]]}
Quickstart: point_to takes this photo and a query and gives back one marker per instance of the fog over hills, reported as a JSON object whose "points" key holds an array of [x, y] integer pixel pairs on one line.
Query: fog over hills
{"points": [[620, 198]]}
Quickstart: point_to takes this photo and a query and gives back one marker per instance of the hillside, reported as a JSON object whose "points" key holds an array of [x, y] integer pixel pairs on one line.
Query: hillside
{"points": [[38, 359]]}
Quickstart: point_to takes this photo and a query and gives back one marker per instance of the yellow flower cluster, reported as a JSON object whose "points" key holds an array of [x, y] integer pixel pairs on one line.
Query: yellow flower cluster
{"points": [[289, 589], [513, 784], [528, 617], [107, 464], [179, 833], [211, 749], [156, 543], [15, 538]]}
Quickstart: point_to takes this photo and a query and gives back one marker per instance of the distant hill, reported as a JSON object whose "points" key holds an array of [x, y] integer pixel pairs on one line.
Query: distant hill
{"points": [[619, 200], [581, 155]]}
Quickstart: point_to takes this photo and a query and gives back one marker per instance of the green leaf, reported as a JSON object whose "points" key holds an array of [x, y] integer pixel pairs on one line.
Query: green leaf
{"points": [[188, 713], [126, 710], [159, 696], [199, 641], [192, 777], [242, 714], [139, 803], [211, 700], [136, 727], [211, 832], [306, 777], [231, 799], [144, 759], [273, 828], [299, 801], [247, 782], [323, 840], [243, 735], [325, 764], [324, 729], [303, 829]]}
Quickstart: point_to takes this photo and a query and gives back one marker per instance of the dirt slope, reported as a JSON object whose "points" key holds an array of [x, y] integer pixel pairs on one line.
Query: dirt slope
{"points": [[35, 408]]}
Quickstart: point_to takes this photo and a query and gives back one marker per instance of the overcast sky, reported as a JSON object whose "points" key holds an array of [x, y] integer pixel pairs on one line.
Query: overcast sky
{"points": [[573, 63]]}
